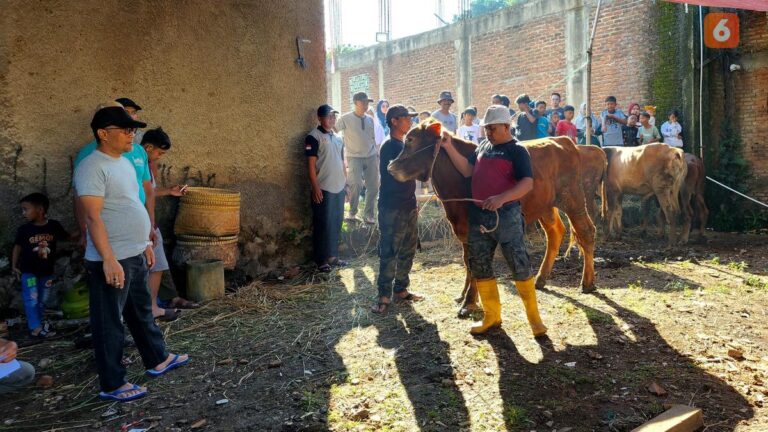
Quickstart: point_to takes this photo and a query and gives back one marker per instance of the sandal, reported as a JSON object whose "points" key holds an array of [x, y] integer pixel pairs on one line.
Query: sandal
{"points": [[183, 303], [45, 333], [116, 395], [172, 365], [169, 315], [380, 307], [411, 297], [325, 268], [338, 263]]}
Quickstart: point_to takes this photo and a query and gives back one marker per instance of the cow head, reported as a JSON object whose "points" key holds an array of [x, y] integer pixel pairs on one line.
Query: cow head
{"points": [[415, 161]]}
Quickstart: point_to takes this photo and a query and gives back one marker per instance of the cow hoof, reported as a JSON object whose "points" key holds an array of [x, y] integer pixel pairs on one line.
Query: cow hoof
{"points": [[467, 311], [540, 283], [588, 289]]}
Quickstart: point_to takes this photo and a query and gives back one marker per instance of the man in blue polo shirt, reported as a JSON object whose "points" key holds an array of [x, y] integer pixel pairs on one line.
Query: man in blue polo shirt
{"points": [[398, 230]]}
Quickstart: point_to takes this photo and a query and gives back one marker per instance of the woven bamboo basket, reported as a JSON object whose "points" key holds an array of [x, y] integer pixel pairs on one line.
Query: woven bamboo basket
{"points": [[208, 212], [192, 247]]}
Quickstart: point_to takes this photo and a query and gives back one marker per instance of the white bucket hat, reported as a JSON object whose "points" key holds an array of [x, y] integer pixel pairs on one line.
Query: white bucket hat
{"points": [[496, 114]]}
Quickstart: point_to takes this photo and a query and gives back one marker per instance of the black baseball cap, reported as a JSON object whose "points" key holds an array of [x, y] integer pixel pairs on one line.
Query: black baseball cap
{"points": [[361, 96], [398, 110], [128, 103], [325, 110], [114, 116]]}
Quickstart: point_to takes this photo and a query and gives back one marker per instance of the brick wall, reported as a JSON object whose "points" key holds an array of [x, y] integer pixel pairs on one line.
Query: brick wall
{"points": [[751, 95], [504, 62]]}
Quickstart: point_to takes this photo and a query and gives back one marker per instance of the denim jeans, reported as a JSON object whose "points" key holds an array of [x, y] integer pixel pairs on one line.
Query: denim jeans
{"points": [[133, 302], [17, 379], [327, 218], [34, 291], [510, 235], [398, 237], [363, 169]]}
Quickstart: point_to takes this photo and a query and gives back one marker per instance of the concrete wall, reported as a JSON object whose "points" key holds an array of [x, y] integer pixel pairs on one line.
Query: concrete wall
{"points": [[220, 78], [535, 47]]}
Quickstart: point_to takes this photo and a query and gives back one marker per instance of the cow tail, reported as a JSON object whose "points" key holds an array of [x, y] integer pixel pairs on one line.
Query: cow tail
{"points": [[678, 164]]}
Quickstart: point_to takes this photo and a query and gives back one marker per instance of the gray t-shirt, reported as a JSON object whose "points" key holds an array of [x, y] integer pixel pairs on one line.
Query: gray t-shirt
{"points": [[359, 137], [124, 215], [327, 147], [448, 120], [612, 135], [525, 130]]}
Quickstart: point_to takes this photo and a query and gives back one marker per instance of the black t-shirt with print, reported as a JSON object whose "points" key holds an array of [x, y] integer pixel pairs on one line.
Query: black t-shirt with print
{"points": [[38, 246]]}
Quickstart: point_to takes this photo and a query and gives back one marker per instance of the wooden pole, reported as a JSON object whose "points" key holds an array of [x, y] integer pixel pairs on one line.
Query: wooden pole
{"points": [[589, 75]]}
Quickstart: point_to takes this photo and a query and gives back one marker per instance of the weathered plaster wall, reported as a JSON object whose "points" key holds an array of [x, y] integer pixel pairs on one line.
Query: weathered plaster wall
{"points": [[220, 78]]}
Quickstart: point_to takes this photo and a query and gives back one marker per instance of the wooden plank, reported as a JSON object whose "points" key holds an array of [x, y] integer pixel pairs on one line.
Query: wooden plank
{"points": [[679, 418]]}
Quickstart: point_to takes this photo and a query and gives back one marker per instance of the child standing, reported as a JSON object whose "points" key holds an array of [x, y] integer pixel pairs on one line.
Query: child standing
{"points": [[651, 110], [647, 133], [542, 124], [34, 253], [629, 132], [468, 129], [672, 130], [565, 127]]}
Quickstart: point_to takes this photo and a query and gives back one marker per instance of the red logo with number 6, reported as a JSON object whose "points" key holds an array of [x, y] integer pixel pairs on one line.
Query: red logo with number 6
{"points": [[721, 30]]}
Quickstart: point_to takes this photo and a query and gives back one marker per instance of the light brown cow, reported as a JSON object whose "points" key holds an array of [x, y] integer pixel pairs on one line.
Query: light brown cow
{"points": [[692, 190], [555, 163], [647, 170], [593, 167]]}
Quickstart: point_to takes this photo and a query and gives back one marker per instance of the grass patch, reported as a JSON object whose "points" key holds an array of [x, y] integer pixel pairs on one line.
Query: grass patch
{"points": [[596, 316], [738, 266], [677, 285], [755, 282], [515, 415]]}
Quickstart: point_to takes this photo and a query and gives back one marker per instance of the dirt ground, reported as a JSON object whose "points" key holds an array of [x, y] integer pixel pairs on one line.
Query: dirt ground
{"points": [[305, 353]]}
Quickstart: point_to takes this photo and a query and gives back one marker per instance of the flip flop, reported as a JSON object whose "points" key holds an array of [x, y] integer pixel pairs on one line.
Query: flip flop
{"points": [[169, 315], [377, 309], [338, 263], [115, 395], [45, 333], [172, 365], [185, 304], [325, 268], [410, 297]]}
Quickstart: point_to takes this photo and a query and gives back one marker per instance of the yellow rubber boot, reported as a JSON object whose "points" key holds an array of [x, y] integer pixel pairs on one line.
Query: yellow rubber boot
{"points": [[488, 292], [527, 292]]}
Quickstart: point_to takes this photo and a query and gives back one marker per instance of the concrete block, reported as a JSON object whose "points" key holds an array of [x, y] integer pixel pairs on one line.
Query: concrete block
{"points": [[679, 418]]}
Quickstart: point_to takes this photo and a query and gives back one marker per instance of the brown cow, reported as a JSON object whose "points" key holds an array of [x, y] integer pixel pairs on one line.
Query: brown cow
{"points": [[692, 189], [647, 170], [555, 163], [593, 167]]}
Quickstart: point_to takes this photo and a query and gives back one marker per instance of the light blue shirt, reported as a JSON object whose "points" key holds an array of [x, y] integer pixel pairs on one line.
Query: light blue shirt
{"points": [[138, 158]]}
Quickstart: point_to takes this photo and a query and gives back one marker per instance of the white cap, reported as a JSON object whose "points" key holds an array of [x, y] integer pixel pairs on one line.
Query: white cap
{"points": [[496, 114]]}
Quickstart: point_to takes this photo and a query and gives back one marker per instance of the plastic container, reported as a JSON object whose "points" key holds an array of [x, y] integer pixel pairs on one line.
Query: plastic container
{"points": [[205, 280]]}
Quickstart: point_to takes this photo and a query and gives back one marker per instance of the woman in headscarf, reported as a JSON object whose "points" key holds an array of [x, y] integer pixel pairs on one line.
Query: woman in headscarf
{"points": [[634, 109], [381, 114]]}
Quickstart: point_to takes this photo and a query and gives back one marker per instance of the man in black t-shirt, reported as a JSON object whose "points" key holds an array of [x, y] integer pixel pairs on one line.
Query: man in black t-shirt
{"points": [[502, 175], [398, 231]]}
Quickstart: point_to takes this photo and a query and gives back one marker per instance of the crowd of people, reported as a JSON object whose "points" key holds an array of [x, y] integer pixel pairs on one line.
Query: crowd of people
{"points": [[115, 189], [340, 167]]}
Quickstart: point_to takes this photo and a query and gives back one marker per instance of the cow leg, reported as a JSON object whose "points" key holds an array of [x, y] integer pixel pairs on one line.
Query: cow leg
{"points": [[468, 298], [687, 210], [703, 213], [670, 206], [612, 216], [645, 208], [554, 230], [585, 237]]}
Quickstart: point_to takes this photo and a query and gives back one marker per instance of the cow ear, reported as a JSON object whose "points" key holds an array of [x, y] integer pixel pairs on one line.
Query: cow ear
{"points": [[435, 128]]}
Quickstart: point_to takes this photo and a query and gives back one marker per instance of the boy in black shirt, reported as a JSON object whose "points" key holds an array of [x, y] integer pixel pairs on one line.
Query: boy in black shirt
{"points": [[34, 253], [398, 232]]}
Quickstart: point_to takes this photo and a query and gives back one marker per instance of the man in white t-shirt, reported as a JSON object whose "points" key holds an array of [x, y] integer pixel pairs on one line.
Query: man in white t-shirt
{"points": [[444, 114], [469, 130], [362, 156]]}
